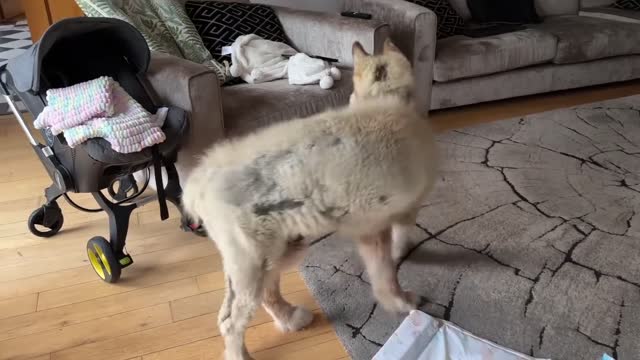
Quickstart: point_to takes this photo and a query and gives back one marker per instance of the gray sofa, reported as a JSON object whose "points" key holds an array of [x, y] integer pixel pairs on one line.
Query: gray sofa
{"points": [[218, 112], [572, 48]]}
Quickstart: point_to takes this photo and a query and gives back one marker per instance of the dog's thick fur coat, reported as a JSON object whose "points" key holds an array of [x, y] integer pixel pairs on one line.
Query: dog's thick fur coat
{"points": [[360, 171]]}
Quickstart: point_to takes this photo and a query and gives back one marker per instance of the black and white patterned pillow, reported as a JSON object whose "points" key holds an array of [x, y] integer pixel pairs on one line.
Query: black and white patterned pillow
{"points": [[449, 21], [627, 4], [221, 23]]}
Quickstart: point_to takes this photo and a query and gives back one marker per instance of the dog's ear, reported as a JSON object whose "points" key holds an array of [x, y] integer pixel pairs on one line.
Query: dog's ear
{"points": [[358, 51], [390, 47]]}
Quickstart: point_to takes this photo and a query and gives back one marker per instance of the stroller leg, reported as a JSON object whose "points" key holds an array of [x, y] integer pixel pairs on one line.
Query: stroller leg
{"points": [[52, 193], [47, 220], [118, 226]]}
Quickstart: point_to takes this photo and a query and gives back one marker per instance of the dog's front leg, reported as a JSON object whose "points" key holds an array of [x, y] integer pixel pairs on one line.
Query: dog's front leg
{"points": [[375, 251]]}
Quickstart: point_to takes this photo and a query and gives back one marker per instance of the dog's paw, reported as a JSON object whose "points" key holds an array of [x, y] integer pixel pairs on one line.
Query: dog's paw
{"points": [[297, 320], [403, 303], [230, 355]]}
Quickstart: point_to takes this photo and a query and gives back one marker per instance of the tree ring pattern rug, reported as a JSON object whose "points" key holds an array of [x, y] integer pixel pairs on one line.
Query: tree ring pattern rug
{"points": [[530, 239]]}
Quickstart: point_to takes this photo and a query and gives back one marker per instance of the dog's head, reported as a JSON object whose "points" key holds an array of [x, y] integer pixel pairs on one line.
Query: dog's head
{"points": [[383, 75]]}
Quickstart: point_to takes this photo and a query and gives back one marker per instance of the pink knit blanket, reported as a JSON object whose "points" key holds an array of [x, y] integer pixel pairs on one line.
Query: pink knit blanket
{"points": [[101, 108]]}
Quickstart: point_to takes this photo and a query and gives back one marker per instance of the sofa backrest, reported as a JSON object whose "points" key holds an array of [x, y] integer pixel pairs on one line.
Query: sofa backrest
{"points": [[594, 3], [330, 6], [543, 7], [239, 1], [557, 7]]}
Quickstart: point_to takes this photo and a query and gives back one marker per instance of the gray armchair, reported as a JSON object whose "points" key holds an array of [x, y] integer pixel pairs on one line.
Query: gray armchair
{"points": [[218, 112]]}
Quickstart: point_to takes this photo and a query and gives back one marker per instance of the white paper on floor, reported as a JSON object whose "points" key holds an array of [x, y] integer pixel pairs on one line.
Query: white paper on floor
{"points": [[422, 337]]}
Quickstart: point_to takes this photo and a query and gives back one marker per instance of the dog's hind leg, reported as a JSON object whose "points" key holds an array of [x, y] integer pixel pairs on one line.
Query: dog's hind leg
{"points": [[286, 316], [401, 235], [375, 251], [245, 280]]}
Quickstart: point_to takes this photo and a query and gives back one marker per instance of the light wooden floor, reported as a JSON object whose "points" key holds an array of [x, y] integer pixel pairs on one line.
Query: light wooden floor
{"points": [[52, 305]]}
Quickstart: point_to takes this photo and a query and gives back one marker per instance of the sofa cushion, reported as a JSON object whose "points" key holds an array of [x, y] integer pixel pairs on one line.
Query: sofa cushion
{"points": [[543, 7], [462, 57], [247, 107], [595, 3], [586, 38], [557, 7], [610, 13]]}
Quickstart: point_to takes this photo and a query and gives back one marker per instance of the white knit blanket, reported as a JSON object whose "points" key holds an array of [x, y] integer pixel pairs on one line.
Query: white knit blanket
{"points": [[257, 60]]}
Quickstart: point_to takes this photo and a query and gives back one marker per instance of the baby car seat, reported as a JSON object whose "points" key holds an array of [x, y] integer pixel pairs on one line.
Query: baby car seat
{"points": [[75, 50]]}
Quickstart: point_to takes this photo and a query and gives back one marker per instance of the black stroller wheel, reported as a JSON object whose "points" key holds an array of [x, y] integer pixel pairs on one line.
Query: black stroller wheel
{"points": [[47, 216], [103, 260]]}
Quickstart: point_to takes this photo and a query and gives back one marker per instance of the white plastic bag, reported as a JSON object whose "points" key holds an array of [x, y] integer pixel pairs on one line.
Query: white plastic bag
{"points": [[422, 337]]}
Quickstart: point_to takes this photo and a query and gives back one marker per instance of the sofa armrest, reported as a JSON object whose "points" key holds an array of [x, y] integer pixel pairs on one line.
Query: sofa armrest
{"points": [[331, 35], [413, 30], [194, 88]]}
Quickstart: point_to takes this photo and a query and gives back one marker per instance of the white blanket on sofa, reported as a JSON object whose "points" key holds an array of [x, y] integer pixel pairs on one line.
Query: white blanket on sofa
{"points": [[257, 60]]}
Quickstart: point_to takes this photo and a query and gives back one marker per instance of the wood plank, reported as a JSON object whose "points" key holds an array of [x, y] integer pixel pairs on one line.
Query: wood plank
{"points": [[259, 337], [42, 357], [149, 270], [18, 210], [74, 221], [323, 347], [63, 279], [73, 246], [75, 255], [215, 281], [22, 173], [94, 309], [100, 329], [201, 349], [210, 302], [73, 233], [26, 286], [142, 342], [18, 306], [16, 190]]}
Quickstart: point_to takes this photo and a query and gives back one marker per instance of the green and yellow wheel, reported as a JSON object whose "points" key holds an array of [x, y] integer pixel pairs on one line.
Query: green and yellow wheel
{"points": [[103, 260]]}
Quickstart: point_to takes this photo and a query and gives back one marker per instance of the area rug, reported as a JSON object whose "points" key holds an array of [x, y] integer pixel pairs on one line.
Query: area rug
{"points": [[531, 239]]}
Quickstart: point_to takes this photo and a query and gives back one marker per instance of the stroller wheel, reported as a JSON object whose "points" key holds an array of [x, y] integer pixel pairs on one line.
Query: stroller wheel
{"points": [[48, 217], [103, 260]]}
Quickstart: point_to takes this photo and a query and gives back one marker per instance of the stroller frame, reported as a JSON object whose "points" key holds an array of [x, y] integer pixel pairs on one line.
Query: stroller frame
{"points": [[107, 258], [92, 173]]}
